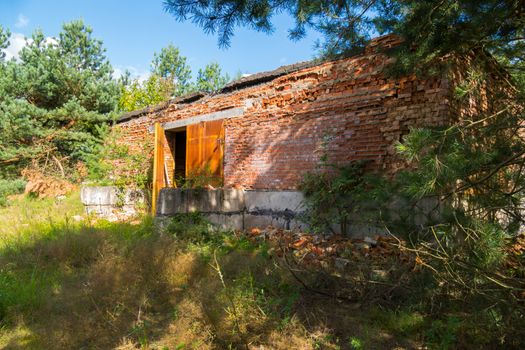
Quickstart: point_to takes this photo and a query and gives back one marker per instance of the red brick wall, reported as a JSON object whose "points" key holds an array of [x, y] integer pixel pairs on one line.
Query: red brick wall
{"points": [[280, 136]]}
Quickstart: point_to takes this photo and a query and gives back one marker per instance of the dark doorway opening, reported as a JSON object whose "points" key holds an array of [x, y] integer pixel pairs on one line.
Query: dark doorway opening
{"points": [[177, 144]]}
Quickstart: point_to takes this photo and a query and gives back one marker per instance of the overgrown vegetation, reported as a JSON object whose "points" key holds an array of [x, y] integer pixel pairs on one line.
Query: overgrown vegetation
{"points": [[170, 77], [56, 103], [68, 282], [200, 178], [460, 203], [115, 163], [59, 99]]}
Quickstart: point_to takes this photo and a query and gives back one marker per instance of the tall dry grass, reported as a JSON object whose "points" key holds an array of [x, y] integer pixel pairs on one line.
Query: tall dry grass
{"points": [[67, 284]]}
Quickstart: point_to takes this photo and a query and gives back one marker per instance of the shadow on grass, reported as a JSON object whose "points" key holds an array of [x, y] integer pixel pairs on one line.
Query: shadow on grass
{"points": [[124, 286]]}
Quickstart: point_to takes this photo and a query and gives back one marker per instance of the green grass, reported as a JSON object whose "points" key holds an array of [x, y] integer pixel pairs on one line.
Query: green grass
{"points": [[67, 283]]}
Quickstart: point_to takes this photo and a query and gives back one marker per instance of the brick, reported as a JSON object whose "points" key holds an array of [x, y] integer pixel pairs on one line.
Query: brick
{"points": [[279, 136]]}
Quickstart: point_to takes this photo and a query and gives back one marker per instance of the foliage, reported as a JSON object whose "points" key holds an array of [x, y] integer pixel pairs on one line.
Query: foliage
{"points": [[200, 178], [335, 193], [210, 79], [4, 41], [134, 168], [170, 77], [10, 187], [55, 101], [152, 91], [330, 195], [442, 334], [170, 65], [190, 227], [432, 28]]}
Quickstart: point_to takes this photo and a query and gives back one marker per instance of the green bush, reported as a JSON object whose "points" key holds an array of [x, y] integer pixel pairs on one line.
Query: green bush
{"points": [[332, 193], [116, 164], [10, 187], [191, 227]]}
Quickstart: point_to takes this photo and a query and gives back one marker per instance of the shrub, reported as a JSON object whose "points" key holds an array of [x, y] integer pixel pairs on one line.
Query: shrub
{"points": [[10, 187], [333, 193], [134, 168]]}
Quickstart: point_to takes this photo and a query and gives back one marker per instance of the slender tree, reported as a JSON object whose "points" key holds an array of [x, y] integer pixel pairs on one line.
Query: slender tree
{"points": [[211, 79], [4, 41], [169, 64]]}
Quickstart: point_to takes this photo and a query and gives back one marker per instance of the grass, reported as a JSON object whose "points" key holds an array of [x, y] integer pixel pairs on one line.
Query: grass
{"points": [[83, 284]]}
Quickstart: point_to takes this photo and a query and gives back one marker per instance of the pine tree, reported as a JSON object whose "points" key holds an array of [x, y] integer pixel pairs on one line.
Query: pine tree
{"points": [[56, 101], [210, 79], [170, 65]]}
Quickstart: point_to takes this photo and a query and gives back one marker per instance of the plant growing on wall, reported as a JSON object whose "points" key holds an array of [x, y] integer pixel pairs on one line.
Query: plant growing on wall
{"points": [[330, 196], [201, 178], [134, 163]]}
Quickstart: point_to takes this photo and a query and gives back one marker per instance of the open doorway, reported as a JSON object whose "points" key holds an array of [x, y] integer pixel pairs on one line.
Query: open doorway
{"points": [[177, 145], [191, 155]]}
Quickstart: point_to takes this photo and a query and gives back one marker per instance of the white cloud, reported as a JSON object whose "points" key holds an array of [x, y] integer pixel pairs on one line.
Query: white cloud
{"points": [[51, 41], [16, 42], [136, 73], [22, 21]]}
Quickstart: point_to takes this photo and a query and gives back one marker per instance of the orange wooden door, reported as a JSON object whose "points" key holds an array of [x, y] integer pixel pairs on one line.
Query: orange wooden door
{"points": [[205, 150], [193, 149], [213, 146], [158, 166]]}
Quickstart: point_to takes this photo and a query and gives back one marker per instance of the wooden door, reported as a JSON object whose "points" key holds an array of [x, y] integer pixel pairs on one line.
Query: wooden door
{"points": [[205, 151], [193, 149], [158, 166]]}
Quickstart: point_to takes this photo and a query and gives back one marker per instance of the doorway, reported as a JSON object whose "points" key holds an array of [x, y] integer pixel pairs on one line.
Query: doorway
{"points": [[176, 140]]}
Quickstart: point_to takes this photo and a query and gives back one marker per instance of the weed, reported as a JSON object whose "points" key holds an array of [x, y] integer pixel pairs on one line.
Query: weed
{"points": [[442, 334], [356, 343], [66, 284]]}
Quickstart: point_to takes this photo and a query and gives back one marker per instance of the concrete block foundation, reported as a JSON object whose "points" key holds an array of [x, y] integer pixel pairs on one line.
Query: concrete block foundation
{"points": [[234, 208], [111, 202]]}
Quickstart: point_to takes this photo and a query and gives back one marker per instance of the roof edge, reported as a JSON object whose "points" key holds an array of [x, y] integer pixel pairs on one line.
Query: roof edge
{"points": [[386, 41], [191, 97]]}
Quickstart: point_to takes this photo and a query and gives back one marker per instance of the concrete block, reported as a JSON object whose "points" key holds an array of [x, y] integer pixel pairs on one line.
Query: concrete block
{"points": [[273, 200], [99, 195], [232, 200], [134, 197], [261, 221], [234, 208], [204, 201], [226, 221], [171, 201], [99, 210]]}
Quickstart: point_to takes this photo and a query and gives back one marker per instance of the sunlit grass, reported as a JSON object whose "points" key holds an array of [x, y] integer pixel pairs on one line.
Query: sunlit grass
{"points": [[68, 281], [28, 218]]}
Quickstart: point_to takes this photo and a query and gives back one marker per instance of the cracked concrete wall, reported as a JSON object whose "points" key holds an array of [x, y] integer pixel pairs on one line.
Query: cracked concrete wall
{"points": [[111, 201], [235, 208]]}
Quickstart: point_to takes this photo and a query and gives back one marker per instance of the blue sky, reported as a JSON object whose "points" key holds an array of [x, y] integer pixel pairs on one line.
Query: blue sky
{"points": [[133, 30]]}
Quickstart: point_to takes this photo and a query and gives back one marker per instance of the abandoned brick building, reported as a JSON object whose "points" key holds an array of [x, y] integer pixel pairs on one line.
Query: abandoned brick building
{"points": [[262, 133]]}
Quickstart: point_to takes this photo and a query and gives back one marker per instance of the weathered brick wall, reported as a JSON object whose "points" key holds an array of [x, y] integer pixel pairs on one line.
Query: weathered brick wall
{"points": [[348, 103]]}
